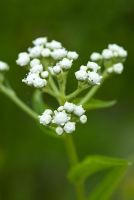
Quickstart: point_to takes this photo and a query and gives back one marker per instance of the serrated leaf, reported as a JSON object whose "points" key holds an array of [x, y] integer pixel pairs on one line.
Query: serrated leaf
{"points": [[37, 102], [98, 104], [108, 185], [93, 164]]}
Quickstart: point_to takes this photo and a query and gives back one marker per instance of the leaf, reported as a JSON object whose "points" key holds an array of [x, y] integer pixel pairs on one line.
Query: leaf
{"points": [[38, 104], [98, 104], [109, 184], [93, 164]]}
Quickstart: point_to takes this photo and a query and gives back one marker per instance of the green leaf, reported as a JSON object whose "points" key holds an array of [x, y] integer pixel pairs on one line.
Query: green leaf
{"points": [[109, 184], [98, 104], [93, 164], [38, 104]]}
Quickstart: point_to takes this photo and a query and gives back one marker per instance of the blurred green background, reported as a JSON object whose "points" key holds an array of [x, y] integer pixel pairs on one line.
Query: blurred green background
{"points": [[32, 165]]}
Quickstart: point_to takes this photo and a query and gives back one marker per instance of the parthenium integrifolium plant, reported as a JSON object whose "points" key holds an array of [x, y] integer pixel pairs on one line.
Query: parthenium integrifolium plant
{"points": [[48, 65]]}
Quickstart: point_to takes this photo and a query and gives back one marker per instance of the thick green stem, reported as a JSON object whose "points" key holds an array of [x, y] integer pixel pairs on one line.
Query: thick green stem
{"points": [[73, 159], [11, 94]]}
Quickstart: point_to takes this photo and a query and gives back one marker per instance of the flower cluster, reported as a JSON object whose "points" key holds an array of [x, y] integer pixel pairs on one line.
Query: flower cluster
{"points": [[89, 73], [112, 58], [59, 59], [3, 66], [64, 118]]}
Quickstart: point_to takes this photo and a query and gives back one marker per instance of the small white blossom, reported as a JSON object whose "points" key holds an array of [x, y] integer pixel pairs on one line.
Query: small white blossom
{"points": [[45, 119], [61, 108], [23, 59], [94, 78], [58, 54], [69, 127], [83, 119], [39, 82], [37, 68], [34, 62], [48, 112], [107, 54], [44, 74], [3, 66], [83, 68], [95, 56], [110, 70], [60, 118], [81, 75], [57, 69], [79, 110], [46, 52], [40, 41], [54, 45], [69, 107], [72, 55], [35, 52], [94, 66], [118, 68], [65, 63], [59, 130]]}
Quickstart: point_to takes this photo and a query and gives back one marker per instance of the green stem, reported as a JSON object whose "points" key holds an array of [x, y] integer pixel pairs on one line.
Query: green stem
{"points": [[73, 159], [11, 94], [91, 93]]}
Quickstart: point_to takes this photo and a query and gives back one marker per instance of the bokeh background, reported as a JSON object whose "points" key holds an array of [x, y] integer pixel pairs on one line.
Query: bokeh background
{"points": [[32, 165]]}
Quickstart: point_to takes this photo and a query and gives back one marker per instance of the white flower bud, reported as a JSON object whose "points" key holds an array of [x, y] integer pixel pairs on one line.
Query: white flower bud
{"points": [[39, 83], [45, 119], [34, 62], [69, 107], [83, 119], [107, 54], [118, 68], [37, 68], [46, 52], [44, 74], [94, 78], [72, 55], [57, 69], [23, 59], [48, 112], [40, 41], [65, 63], [35, 52], [54, 45], [69, 127], [61, 108], [95, 56], [110, 70], [83, 68], [60, 118], [58, 54], [94, 66], [79, 110], [59, 130], [81, 75], [3, 66]]}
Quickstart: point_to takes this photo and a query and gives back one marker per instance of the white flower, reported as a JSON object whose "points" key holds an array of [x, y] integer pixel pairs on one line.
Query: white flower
{"points": [[94, 66], [57, 69], [39, 82], [81, 75], [35, 52], [118, 68], [54, 45], [117, 50], [83, 119], [40, 41], [37, 68], [23, 59], [60, 118], [58, 54], [44, 74], [34, 62], [94, 78], [48, 112], [95, 56], [79, 110], [69, 107], [83, 68], [3, 66], [65, 63], [46, 52], [69, 127], [61, 108], [107, 54], [59, 130], [45, 119], [72, 55], [110, 70]]}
